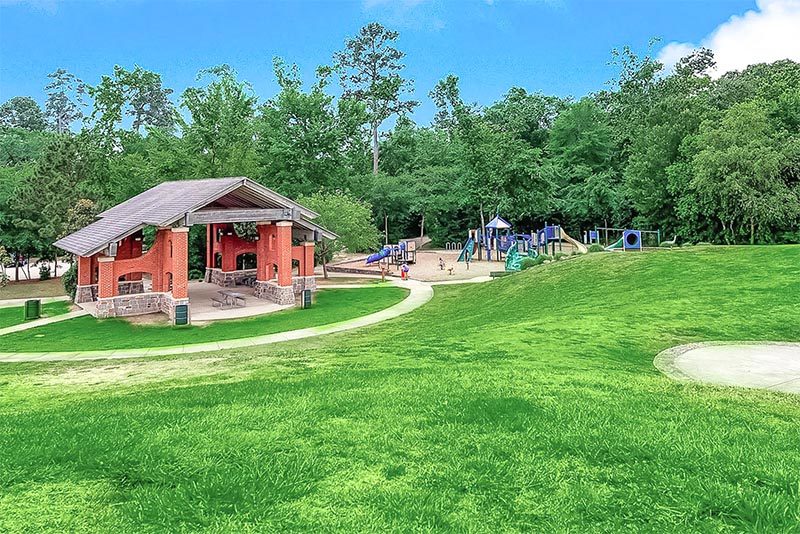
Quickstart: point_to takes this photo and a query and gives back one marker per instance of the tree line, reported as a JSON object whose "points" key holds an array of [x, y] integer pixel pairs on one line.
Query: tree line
{"points": [[704, 158]]}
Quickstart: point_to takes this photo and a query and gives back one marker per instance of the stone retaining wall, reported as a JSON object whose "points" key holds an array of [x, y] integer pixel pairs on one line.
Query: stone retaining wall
{"points": [[272, 291], [131, 287], [227, 278], [85, 293], [299, 283], [138, 304]]}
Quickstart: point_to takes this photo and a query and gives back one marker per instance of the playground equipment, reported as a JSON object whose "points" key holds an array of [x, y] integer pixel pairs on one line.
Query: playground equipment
{"points": [[513, 258], [629, 240], [496, 240], [403, 252], [552, 234]]}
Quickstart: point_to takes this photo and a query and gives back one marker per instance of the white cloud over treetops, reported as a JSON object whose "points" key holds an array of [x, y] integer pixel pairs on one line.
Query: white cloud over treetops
{"points": [[766, 34]]}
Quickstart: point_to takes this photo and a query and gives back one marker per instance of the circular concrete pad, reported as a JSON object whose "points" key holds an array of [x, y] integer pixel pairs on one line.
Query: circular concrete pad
{"points": [[773, 366]]}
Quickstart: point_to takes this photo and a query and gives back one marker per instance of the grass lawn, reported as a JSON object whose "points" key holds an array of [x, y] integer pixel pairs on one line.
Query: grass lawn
{"points": [[88, 333], [13, 315], [527, 404], [31, 289]]}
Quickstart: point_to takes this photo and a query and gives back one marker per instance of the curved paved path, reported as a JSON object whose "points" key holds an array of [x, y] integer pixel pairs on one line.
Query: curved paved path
{"points": [[420, 293], [773, 366]]}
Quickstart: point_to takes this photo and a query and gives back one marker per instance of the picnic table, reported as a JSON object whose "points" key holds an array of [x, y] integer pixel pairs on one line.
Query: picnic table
{"points": [[232, 298]]}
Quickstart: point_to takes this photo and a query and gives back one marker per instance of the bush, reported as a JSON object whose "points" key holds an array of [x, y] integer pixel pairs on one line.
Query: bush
{"points": [[527, 263], [44, 271], [196, 274], [70, 280], [596, 247], [560, 256]]}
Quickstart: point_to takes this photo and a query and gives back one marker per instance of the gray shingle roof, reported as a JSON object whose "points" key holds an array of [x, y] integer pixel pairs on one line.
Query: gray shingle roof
{"points": [[167, 203]]}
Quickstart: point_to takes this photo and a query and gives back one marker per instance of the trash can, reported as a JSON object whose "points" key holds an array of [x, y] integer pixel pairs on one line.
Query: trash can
{"points": [[33, 309], [306, 302], [181, 314]]}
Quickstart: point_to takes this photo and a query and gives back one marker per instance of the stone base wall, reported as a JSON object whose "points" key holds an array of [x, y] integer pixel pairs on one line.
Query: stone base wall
{"points": [[272, 291], [131, 287], [227, 278], [138, 304], [299, 283], [85, 293]]}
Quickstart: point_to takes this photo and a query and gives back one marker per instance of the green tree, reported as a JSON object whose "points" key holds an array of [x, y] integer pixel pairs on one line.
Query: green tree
{"points": [[222, 128], [137, 93], [369, 69], [737, 170], [22, 112], [350, 218], [65, 97], [305, 137]]}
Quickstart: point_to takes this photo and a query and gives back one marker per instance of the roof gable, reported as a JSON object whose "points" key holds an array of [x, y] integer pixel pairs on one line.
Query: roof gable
{"points": [[167, 204]]}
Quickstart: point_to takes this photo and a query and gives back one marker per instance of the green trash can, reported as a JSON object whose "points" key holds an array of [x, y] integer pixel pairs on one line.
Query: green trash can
{"points": [[33, 309], [306, 302], [181, 314]]}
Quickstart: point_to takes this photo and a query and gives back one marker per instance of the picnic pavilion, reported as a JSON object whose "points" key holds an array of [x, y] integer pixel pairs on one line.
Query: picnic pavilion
{"points": [[118, 277]]}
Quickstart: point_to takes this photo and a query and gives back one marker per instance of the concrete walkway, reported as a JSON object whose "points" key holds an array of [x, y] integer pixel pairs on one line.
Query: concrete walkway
{"points": [[19, 302], [773, 366], [420, 293], [41, 322]]}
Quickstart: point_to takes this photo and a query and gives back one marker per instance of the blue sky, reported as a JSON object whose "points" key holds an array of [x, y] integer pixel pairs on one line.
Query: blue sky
{"points": [[559, 46]]}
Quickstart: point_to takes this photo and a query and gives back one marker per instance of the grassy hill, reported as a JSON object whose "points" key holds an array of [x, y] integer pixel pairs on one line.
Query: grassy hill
{"points": [[526, 404]]}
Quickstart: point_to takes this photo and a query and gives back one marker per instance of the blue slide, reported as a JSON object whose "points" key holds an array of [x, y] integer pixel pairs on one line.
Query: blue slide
{"points": [[467, 251], [384, 252]]}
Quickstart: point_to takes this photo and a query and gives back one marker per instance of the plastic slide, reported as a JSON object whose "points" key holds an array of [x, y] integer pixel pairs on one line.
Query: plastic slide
{"points": [[378, 256], [574, 242], [615, 246], [466, 252], [513, 258]]}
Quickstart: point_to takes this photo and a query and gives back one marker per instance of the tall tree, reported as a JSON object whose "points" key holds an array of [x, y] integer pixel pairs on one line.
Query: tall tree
{"points": [[221, 133], [369, 69], [304, 137], [65, 97], [350, 218], [22, 112], [138, 94]]}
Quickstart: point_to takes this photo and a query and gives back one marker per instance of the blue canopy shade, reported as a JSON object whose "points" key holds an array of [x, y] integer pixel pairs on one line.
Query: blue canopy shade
{"points": [[499, 223]]}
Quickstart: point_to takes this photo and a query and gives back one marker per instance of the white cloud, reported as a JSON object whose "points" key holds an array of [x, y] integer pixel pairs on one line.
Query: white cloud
{"points": [[766, 34]]}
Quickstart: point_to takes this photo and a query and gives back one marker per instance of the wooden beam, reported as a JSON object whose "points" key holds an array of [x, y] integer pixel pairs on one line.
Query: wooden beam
{"points": [[241, 215]]}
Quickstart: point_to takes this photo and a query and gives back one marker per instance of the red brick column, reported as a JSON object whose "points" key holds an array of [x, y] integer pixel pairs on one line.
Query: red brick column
{"points": [[264, 257], [307, 267], [180, 262], [209, 245], [283, 251], [84, 271], [107, 283]]}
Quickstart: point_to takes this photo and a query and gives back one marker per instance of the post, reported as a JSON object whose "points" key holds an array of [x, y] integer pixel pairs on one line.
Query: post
{"points": [[180, 262]]}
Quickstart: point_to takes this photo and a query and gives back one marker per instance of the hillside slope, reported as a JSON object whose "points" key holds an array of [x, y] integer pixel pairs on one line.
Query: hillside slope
{"points": [[529, 403]]}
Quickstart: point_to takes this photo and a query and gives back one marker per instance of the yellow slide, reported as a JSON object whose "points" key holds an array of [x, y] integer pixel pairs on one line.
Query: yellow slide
{"points": [[574, 242]]}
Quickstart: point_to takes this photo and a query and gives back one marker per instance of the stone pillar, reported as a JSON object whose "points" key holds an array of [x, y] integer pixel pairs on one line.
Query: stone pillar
{"points": [[275, 243], [106, 284], [180, 262]]}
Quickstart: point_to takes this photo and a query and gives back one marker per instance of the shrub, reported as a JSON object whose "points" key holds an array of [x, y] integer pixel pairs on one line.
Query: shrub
{"points": [[196, 274], [70, 280], [44, 271], [527, 263], [596, 247], [560, 256]]}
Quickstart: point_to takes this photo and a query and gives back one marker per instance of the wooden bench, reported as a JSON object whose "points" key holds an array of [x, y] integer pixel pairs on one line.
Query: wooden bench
{"points": [[500, 274]]}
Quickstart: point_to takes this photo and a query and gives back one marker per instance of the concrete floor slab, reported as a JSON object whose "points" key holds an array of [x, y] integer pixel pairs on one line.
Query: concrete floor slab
{"points": [[774, 366]]}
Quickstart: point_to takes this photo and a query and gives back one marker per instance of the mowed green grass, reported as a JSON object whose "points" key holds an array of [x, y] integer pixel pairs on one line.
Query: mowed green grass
{"points": [[13, 315], [527, 404], [88, 333]]}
